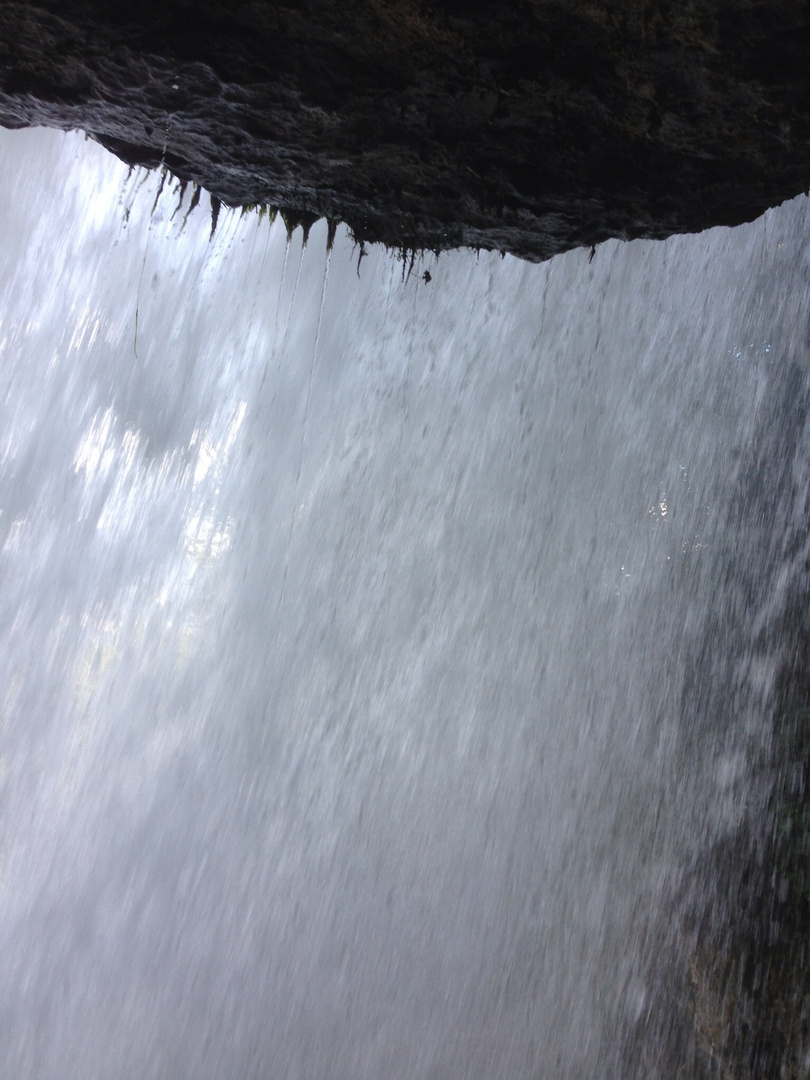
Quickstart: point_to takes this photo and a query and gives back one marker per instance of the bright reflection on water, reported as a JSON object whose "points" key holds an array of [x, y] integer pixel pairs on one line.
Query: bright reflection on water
{"points": [[379, 658]]}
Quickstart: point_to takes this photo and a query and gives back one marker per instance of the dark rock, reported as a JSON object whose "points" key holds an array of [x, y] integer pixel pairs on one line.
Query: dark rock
{"points": [[527, 126]]}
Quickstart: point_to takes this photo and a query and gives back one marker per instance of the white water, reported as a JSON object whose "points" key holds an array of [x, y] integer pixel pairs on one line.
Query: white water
{"points": [[352, 628]]}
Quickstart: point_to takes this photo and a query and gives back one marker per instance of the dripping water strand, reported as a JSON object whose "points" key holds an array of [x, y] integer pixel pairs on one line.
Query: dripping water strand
{"points": [[138, 298], [283, 349], [388, 301], [278, 309], [292, 305], [409, 359], [149, 230], [544, 303], [529, 370], [281, 286], [312, 364], [304, 431], [260, 276]]}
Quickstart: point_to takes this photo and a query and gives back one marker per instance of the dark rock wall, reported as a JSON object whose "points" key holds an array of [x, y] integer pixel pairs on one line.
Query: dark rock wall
{"points": [[529, 126]]}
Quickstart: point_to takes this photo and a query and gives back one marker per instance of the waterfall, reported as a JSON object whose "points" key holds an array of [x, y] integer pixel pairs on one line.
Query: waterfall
{"points": [[385, 661]]}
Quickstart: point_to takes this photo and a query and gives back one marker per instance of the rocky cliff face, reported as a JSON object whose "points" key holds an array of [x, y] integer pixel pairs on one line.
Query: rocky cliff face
{"points": [[529, 126]]}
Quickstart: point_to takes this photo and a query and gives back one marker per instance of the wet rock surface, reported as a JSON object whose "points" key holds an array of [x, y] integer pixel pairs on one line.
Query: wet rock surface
{"points": [[529, 126]]}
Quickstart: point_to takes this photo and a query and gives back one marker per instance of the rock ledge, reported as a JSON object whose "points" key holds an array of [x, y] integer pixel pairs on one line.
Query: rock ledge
{"points": [[527, 126]]}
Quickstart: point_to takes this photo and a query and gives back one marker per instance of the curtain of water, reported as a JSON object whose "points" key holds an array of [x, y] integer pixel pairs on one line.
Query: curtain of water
{"points": [[380, 658]]}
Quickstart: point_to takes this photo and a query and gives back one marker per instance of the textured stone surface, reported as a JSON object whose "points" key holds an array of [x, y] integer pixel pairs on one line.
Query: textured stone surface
{"points": [[529, 126]]}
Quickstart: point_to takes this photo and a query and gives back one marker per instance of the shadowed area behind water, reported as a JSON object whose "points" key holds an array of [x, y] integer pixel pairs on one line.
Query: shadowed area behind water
{"points": [[379, 658]]}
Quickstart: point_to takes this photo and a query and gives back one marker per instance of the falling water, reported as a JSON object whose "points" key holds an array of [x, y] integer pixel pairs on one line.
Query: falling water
{"points": [[383, 660]]}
